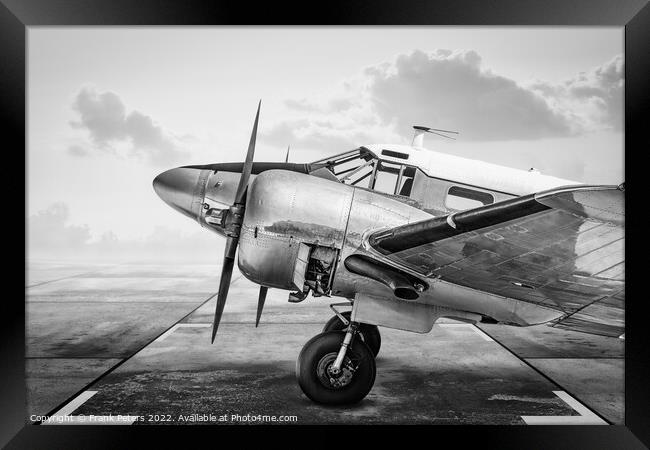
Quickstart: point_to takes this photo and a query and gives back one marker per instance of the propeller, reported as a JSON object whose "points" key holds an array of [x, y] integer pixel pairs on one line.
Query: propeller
{"points": [[260, 304], [233, 222]]}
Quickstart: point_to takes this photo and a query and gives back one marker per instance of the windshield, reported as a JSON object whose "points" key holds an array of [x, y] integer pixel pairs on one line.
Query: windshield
{"points": [[360, 167], [354, 167]]}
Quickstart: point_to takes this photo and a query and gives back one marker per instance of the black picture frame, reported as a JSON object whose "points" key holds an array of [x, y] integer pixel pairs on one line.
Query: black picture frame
{"points": [[634, 15]]}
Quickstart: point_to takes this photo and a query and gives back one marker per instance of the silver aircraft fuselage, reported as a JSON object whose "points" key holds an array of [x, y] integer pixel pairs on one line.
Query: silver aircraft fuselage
{"points": [[287, 211]]}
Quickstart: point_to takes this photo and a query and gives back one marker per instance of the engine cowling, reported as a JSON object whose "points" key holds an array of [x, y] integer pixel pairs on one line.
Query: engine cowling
{"points": [[294, 234]]}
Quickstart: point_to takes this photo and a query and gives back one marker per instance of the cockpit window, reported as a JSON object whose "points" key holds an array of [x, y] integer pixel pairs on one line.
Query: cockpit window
{"points": [[354, 167], [362, 168]]}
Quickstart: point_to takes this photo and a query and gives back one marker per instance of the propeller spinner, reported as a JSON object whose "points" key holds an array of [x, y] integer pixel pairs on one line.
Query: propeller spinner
{"points": [[233, 222]]}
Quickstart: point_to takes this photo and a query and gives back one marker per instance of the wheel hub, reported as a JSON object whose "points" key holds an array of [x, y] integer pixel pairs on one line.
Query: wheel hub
{"points": [[331, 378]]}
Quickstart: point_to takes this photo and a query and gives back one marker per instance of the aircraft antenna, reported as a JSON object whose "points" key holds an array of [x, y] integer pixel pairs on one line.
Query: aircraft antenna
{"points": [[418, 136]]}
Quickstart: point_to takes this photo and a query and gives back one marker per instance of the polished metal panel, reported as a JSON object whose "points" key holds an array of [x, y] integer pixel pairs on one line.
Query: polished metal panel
{"points": [[283, 210], [564, 263], [370, 211], [198, 193], [603, 203], [407, 316], [205, 192], [220, 190], [568, 258], [183, 189], [503, 309]]}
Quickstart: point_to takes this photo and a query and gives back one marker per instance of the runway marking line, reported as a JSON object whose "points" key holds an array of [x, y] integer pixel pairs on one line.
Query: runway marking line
{"points": [[81, 394], [63, 417], [74, 404], [77, 275], [167, 333], [586, 417], [471, 326]]}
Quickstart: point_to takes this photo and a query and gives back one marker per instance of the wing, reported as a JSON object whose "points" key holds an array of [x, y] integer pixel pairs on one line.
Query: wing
{"points": [[562, 248]]}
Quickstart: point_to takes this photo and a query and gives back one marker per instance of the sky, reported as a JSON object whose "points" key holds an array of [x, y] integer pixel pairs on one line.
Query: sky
{"points": [[111, 107]]}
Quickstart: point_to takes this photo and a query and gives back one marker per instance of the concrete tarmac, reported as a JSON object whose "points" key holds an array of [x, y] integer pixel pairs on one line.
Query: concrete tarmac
{"points": [[134, 340]]}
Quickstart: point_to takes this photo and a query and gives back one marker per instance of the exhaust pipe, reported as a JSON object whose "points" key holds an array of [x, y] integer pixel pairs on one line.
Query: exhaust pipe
{"points": [[404, 286]]}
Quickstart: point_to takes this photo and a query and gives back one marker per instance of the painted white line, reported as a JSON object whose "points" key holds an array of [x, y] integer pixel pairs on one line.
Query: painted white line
{"points": [[166, 334], [63, 417], [75, 403], [471, 326], [586, 417], [579, 407]]}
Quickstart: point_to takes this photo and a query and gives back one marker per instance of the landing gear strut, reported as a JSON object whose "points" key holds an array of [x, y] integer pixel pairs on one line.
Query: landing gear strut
{"points": [[368, 333], [336, 368]]}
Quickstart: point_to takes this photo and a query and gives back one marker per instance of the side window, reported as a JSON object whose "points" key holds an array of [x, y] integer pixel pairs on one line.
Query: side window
{"points": [[461, 198], [386, 177]]}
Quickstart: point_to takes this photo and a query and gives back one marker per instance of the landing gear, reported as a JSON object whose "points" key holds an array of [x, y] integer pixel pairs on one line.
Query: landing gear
{"points": [[334, 368], [368, 333]]}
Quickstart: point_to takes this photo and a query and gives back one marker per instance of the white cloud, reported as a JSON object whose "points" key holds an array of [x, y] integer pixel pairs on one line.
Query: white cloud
{"points": [[452, 90], [331, 122], [592, 99], [105, 118], [78, 150]]}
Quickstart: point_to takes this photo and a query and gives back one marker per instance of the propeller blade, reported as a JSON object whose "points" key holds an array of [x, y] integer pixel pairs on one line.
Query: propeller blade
{"points": [[286, 159], [232, 230], [248, 164], [224, 285], [260, 304]]}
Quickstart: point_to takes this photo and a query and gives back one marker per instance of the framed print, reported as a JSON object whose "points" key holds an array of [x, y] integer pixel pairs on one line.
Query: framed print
{"points": [[369, 214]]}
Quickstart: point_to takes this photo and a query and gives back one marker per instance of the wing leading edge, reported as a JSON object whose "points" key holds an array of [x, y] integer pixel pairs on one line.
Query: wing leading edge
{"points": [[562, 248]]}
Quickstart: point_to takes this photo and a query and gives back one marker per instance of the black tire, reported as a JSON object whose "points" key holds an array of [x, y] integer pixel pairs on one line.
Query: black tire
{"points": [[369, 333], [318, 354]]}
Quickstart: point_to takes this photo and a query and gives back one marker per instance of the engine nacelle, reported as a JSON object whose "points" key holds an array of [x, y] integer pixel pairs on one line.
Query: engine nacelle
{"points": [[293, 236]]}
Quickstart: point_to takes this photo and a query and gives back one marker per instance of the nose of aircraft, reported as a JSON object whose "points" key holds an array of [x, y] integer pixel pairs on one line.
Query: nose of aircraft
{"points": [[180, 188]]}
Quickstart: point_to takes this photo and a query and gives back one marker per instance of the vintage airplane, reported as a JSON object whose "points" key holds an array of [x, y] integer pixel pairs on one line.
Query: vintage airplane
{"points": [[407, 236]]}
